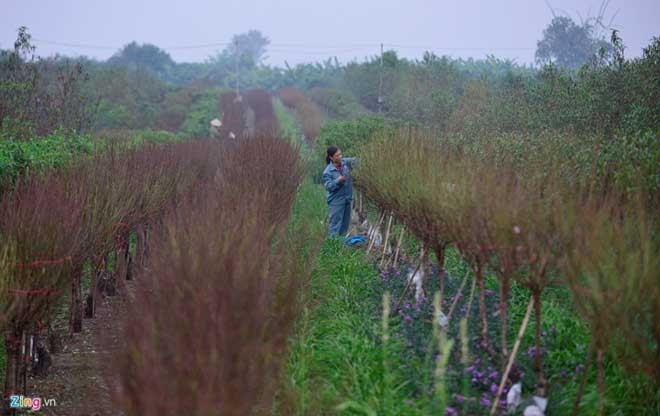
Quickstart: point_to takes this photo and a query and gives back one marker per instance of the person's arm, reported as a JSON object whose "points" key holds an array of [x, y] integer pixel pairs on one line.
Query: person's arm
{"points": [[331, 184], [351, 161]]}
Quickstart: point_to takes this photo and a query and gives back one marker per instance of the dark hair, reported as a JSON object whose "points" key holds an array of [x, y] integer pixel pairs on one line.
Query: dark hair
{"points": [[331, 152]]}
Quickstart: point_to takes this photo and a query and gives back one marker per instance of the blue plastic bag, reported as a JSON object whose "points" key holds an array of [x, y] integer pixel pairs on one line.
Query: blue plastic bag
{"points": [[355, 240]]}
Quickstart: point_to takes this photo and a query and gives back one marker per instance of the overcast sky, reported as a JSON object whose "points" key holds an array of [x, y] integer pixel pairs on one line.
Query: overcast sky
{"points": [[308, 30]]}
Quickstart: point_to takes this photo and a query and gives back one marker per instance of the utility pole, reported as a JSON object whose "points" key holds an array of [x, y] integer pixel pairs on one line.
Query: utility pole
{"points": [[380, 83], [238, 71]]}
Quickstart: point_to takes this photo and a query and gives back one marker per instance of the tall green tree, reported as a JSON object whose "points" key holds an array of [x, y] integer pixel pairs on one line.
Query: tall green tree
{"points": [[144, 56], [250, 46], [568, 44]]}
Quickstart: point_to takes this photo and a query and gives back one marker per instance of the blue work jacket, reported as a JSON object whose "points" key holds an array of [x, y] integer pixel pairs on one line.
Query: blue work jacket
{"points": [[338, 193]]}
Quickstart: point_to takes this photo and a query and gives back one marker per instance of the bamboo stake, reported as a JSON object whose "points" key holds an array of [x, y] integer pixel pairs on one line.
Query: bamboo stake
{"points": [[474, 285], [412, 276], [372, 229], [512, 357], [360, 199], [380, 222], [387, 239], [398, 247], [460, 291]]}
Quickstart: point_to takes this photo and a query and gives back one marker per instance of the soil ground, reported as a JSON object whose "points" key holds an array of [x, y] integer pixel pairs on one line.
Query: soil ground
{"points": [[76, 379]]}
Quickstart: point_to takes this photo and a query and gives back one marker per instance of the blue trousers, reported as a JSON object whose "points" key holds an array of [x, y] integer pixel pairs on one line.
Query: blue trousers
{"points": [[340, 219]]}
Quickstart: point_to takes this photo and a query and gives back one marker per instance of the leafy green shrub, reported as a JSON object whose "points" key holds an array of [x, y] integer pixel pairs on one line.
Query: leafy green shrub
{"points": [[17, 157], [203, 109], [337, 104], [350, 135], [154, 136]]}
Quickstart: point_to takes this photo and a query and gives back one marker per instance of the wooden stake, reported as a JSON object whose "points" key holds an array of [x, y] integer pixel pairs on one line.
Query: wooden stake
{"points": [[387, 238], [380, 222], [512, 357], [460, 291], [360, 210], [372, 229], [398, 247], [405, 290]]}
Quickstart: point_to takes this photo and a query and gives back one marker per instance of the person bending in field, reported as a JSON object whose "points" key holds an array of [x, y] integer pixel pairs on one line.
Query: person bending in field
{"points": [[339, 190]]}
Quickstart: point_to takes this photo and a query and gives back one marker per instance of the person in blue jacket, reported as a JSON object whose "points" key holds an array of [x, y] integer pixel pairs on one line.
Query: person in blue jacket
{"points": [[339, 190]]}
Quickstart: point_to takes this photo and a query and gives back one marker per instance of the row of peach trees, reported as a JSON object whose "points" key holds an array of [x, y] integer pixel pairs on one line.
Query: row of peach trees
{"points": [[217, 294], [56, 224], [536, 212], [215, 307]]}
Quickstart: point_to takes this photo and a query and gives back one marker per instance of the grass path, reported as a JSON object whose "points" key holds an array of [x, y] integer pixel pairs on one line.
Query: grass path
{"points": [[336, 360]]}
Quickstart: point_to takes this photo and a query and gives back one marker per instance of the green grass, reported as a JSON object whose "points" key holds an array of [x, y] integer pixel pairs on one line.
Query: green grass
{"points": [[288, 124], [338, 366], [337, 360], [567, 349]]}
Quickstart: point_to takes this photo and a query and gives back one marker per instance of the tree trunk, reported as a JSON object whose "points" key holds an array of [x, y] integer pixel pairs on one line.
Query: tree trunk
{"points": [[583, 382], [600, 364], [128, 260], [98, 268], [440, 254], [482, 307], [13, 350], [442, 273], [120, 266], [505, 287], [23, 362], [145, 246], [139, 255], [76, 305], [538, 362]]}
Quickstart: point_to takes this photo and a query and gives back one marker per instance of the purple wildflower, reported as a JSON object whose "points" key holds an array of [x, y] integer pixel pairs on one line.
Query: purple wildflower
{"points": [[484, 401], [451, 411]]}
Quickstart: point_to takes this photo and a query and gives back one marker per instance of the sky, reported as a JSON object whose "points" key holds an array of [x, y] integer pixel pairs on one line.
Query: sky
{"points": [[308, 31]]}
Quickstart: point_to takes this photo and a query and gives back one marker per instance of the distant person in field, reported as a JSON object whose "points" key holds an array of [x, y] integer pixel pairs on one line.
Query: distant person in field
{"points": [[339, 190], [214, 130]]}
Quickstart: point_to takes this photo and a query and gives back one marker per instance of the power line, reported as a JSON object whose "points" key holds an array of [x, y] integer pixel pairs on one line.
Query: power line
{"points": [[380, 82], [312, 52], [300, 49], [290, 46], [74, 45], [427, 47]]}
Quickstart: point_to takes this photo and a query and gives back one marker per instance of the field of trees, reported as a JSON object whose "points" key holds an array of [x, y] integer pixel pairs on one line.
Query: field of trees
{"points": [[511, 215]]}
